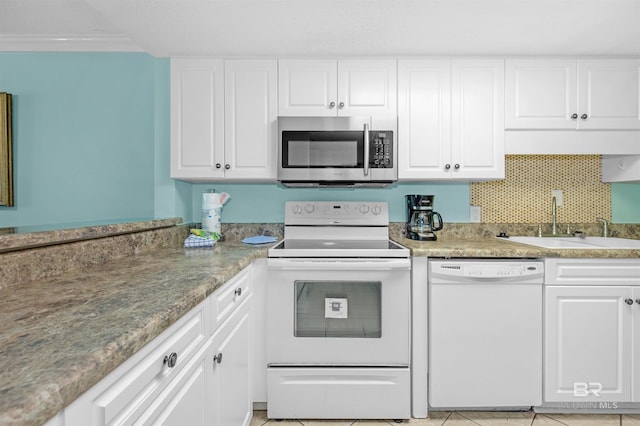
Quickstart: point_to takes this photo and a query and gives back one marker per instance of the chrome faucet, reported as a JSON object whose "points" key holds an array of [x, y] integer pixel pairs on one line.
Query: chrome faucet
{"points": [[605, 226], [554, 225]]}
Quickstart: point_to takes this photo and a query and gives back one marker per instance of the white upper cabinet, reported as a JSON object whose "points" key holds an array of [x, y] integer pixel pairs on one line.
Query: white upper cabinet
{"points": [[569, 94], [609, 94], [307, 87], [197, 118], [451, 119], [223, 119], [424, 118], [251, 111], [326, 87]]}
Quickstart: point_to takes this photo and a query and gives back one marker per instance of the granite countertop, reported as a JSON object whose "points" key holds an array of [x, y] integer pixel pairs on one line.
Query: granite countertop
{"points": [[64, 334], [29, 237], [453, 246]]}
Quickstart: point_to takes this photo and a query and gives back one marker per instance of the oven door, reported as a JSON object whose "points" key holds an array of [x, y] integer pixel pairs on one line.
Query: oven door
{"points": [[348, 312]]}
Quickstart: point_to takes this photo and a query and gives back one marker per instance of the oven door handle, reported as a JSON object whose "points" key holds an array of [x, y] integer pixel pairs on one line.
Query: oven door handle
{"points": [[340, 264]]}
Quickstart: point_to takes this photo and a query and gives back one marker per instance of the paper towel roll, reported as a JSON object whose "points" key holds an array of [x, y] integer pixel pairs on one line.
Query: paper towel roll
{"points": [[211, 210], [210, 200], [211, 219]]}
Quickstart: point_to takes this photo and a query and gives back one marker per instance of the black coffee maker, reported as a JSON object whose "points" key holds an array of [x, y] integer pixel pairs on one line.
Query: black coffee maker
{"points": [[422, 221]]}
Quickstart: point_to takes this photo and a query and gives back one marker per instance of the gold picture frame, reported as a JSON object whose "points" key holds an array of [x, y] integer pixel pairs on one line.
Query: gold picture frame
{"points": [[6, 156]]}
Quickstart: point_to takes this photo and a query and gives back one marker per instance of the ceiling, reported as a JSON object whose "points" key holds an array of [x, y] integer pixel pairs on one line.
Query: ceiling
{"points": [[261, 28]]}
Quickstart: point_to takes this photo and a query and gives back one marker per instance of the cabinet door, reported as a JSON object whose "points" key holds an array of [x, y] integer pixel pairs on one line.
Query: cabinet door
{"points": [[307, 87], [232, 394], [587, 343], [477, 105], [250, 119], [636, 345], [367, 87], [609, 94], [424, 118], [541, 94], [128, 391], [197, 118], [184, 401]]}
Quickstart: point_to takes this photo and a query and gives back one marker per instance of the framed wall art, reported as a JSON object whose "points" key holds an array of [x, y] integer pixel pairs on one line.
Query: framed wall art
{"points": [[6, 156]]}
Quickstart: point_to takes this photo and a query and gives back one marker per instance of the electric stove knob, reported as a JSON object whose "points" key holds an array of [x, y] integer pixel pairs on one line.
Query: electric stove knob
{"points": [[309, 208], [364, 209], [297, 209], [376, 210]]}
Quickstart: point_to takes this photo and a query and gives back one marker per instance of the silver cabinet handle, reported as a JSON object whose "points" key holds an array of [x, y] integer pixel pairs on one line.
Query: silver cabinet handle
{"points": [[171, 360], [218, 165], [238, 291], [628, 301], [574, 116], [341, 105], [227, 166], [638, 301], [457, 166], [218, 358], [332, 105], [584, 116], [447, 166]]}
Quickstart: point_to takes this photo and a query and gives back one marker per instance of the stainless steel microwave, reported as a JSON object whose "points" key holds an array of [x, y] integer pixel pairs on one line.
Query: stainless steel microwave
{"points": [[337, 151]]}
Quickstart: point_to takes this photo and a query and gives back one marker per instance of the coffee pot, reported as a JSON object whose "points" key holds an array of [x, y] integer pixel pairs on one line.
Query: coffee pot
{"points": [[422, 221]]}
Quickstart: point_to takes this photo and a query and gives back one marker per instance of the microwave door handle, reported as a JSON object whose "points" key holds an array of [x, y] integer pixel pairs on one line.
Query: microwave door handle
{"points": [[366, 149]]}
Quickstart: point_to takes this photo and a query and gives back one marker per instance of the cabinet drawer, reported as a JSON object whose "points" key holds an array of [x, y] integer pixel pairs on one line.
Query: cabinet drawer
{"points": [[229, 296], [339, 393], [592, 271], [184, 401], [123, 395]]}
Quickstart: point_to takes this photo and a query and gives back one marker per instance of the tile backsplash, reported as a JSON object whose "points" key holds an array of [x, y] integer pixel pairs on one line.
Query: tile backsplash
{"points": [[525, 195]]}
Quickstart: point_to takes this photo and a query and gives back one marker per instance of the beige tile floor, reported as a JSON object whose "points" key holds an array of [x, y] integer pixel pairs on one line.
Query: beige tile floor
{"points": [[471, 418]]}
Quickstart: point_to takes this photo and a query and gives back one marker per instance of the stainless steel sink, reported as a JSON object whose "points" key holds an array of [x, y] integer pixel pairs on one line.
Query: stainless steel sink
{"points": [[578, 243]]}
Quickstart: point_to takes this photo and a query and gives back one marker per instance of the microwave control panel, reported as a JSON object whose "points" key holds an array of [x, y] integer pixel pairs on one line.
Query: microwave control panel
{"points": [[381, 150]]}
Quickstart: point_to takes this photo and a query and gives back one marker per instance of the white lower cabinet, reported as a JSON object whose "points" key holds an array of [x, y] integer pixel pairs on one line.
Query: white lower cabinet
{"points": [[592, 334], [588, 338], [126, 393], [184, 401], [197, 372], [231, 396], [215, 389]]}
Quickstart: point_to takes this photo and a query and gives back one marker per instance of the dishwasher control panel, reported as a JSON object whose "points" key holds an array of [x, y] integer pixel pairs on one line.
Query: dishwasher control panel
{"points": [[480, 269]]}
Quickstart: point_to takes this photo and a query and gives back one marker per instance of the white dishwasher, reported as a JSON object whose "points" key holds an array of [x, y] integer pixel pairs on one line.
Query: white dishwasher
{"points": [[485, 333]]}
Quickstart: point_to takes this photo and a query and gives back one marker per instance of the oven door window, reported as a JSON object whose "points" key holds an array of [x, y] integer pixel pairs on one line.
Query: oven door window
{"points": [[323, 149], [338, 309]]}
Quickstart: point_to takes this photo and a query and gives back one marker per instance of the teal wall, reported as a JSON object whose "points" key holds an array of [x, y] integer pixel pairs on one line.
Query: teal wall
{"points": [[91, 143], [625, 202], [86, 132], [264, 203]]}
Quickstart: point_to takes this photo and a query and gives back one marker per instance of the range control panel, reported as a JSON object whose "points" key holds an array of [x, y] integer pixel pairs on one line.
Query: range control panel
{"points": [[367, 213]]}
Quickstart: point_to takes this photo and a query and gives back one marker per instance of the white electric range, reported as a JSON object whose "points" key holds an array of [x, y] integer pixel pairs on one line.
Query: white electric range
{"points": [[338, 315]]}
